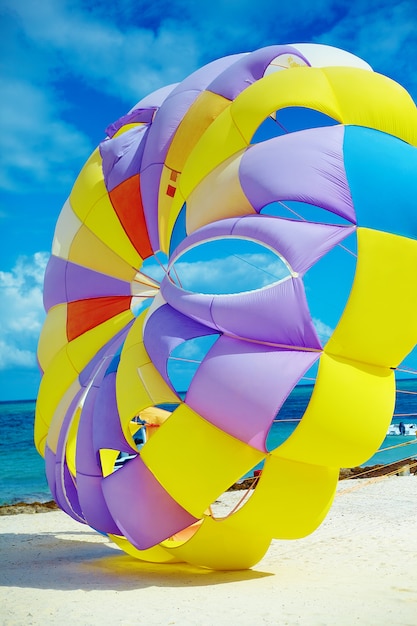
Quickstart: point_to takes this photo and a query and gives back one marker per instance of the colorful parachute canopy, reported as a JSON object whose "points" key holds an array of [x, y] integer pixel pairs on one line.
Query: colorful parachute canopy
{"points": [[303, 153]]}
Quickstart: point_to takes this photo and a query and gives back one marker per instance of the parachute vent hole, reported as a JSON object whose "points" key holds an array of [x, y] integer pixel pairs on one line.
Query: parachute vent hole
{"points": [[247, 265]]}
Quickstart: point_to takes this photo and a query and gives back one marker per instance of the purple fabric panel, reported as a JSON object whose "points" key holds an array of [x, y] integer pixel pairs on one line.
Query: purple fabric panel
{"points": [[194, 306], [96, 368], [68, 497], [176, 106], [166, 329], [307, 166], [143, 111], [138, 115], [83, 284], [50, 461], [149, 187], [299, 243], [122, 156], [107, 431], [86, 459], [54, 291], [205, 75], [163, 129], [277, 314], [94, 506], [248, 69], [66, 491], [140, 506], [159, 138], [154, 99], [267, 375]]}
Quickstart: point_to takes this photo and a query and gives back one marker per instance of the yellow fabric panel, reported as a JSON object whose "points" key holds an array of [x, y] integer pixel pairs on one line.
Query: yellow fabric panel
{"points": [[126, 127], [344, 93], [104, 223], [166, 217], [394, 111], [301, 86], [156, 554], [218, 196], [195, 461], [63, 370], [223, 545], [221, 140], [55, 383], [166, 220], [379, 323], [107, 460], [200, 115], [89, 187], [290, 500], [348, 415], [138, 384], [82, 349], [53, 336], [142, 285], [87, 250], [59, 414], [70, 449], [65, 230]]}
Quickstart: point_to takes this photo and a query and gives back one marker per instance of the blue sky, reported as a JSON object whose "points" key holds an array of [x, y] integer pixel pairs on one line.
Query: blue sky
{"points": [[71, 67]]}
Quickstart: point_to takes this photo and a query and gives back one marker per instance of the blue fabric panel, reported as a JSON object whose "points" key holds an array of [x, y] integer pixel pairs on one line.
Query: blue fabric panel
{"points": [[382, 174]]}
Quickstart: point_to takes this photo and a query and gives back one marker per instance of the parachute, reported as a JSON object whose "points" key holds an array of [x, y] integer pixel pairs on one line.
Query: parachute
{"points": [[305, 154]]}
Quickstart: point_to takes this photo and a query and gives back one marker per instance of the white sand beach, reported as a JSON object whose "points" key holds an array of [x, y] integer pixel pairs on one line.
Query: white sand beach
{"points": [[359, 567]]}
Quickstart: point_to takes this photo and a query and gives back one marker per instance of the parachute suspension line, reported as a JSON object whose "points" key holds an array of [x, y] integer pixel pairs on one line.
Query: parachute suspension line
{"points": [[373, 479], [247, 493], [257, 267], [292, 211], [340, 245], [177, 277], [164, 269], [406, 371], [398, 445], [178, 358], [278, 123], [290, 419], [148, 276], [272, 344]]}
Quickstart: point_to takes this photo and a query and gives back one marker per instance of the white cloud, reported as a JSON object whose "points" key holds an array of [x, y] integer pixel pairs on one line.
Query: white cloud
{"points": [[127, 61], [21, 313], [383, 33], [323, 331], [231, 274], [37, 147]]}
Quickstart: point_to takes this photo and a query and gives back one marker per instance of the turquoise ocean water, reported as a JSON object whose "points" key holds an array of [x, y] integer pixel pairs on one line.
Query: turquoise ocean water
{"points": [[22, 476]]}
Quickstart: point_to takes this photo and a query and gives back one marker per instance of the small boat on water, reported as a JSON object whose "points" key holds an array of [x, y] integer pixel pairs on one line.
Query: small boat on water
{"points": [[403, 429]]}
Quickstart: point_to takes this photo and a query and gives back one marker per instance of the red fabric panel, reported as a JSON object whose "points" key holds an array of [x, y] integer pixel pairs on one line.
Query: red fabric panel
{"points": [[83, 315], [127, 202]]}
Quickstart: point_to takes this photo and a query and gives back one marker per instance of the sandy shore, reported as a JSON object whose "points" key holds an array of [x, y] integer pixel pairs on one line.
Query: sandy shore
{"points": [[359, 567]]}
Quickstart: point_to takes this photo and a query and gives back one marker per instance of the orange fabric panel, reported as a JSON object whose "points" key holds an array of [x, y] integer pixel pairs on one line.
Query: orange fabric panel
{"points": [[83, 315], [127, 202]]}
